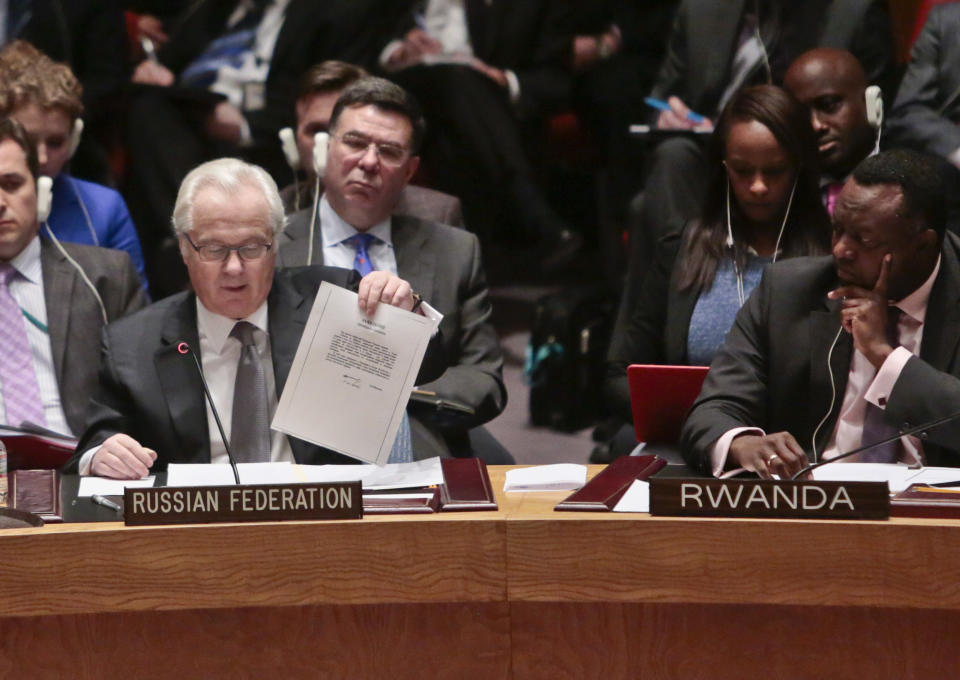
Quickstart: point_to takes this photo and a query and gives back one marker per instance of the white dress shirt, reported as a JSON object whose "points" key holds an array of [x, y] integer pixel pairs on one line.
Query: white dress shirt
{"points": [[27, 290]]}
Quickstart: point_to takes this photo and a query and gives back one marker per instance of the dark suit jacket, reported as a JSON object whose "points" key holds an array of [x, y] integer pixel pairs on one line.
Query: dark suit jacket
{"points": [[772, 371], [704, 37], [927, 109], [153, 393], [653, 330], [532, 38], [75, 320], [312, 31], [443, 265], [90, 36]]}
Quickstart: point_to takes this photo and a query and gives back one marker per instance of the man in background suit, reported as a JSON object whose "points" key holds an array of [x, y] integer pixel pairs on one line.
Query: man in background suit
{"points": [[320, 87], [375, 132], [245, 321], [879, 321], [223, 85], [485, 72], [50, 318]]}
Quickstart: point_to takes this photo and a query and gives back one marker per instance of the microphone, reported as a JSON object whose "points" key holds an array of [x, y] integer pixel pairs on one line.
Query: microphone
{"points": [[184, 348], [903, 433]]}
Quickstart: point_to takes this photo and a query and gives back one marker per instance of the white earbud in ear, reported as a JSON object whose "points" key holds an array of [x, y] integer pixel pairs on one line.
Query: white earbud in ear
{"points": [[873, 98], [75, 134], [288, 142], [44, 198], [321, 141]]}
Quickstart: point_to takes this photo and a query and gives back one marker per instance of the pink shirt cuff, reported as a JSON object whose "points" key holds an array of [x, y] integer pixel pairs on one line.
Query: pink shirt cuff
{"points": [[882, 385], [718, 456]]}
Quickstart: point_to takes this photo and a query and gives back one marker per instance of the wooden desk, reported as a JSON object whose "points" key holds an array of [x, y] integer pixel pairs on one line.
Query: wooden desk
{"points": [[525, 592]]}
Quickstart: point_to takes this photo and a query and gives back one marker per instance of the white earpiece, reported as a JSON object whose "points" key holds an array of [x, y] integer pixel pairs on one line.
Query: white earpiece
{"points": [[44, 198], [321, 142], [288, 141], [75, 134], [873, 97]]}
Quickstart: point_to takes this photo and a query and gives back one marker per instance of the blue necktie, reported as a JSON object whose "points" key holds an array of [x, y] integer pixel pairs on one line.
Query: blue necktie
{"points": [[360, 243], [402, 451]]}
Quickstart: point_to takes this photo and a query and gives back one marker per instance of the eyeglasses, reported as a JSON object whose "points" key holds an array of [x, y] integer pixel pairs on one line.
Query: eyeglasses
{"points": [[218, 252], [389, 153]]}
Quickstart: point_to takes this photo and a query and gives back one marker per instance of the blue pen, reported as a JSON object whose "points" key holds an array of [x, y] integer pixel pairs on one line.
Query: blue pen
{"points": [[664, 106]]}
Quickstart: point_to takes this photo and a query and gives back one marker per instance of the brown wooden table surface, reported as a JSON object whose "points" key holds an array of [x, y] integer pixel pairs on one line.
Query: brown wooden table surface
{"points": [[525, 592]]}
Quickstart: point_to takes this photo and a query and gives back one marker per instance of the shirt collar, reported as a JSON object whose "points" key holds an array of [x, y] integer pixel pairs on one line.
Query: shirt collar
{"points": [[27, 261], [336, 230], [215, 328], [915, 304]]}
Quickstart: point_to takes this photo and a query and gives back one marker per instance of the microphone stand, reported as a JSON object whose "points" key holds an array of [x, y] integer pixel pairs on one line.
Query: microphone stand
{"points": [[903, 433], [184, 348]]}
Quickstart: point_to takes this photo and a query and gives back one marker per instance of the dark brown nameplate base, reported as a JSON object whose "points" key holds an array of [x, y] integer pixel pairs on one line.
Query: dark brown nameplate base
{"points": [[253, 503], [769, 498]]}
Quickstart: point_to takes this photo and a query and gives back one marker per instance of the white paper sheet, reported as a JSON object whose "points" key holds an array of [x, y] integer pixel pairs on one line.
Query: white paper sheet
{"points": [[558, 477], [203, 474], [352, 375], [110, 487], [393, 476], [933, 475], [895, 475], [636, 499]]}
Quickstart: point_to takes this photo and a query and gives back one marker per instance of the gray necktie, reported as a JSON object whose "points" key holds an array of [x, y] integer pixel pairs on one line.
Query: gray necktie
{"points": [[250, 431]]}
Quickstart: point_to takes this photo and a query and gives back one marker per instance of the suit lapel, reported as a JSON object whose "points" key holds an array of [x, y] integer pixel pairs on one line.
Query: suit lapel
{"points": [[939, 344], [59, 280], [414, 255], [180, 382], [721, 19], [483, 22], [824, 324]]}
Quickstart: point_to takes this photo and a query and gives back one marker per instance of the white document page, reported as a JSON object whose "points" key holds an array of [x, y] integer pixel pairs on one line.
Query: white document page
{"points": [[352, 375], [558, 477], [636, 499], [393, 476], [103, 486], [894, 474], [933, 475], [206, 474]]}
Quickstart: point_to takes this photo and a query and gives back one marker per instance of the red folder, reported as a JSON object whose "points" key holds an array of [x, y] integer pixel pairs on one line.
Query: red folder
{"points": [[603, 492], [36, 452]]}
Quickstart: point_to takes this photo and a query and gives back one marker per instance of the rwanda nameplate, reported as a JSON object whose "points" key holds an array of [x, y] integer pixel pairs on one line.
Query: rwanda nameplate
{"points": [[769, 498], [253, 503]]}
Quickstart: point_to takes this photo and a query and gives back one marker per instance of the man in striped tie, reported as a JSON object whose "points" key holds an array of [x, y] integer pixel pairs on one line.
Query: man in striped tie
{"points": [[54, 300]]}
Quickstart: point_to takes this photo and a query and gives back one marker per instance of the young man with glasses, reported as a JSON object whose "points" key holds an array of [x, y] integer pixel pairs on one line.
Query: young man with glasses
{"points": [[242, 318]]}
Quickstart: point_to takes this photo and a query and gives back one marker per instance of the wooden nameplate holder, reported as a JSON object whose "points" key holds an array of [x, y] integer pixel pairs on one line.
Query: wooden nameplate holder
{"points": [[604, 491], [246, 503], [769, 498]]}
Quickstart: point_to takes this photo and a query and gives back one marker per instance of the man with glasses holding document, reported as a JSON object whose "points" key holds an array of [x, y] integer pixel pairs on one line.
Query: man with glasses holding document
{"points": [[243, 320]]}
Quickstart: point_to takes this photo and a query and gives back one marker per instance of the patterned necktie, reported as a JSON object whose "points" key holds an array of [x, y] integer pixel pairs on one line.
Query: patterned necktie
{"points": [[833, 190], [250, 428], [875, 428], [360, 244], [21, 393]]}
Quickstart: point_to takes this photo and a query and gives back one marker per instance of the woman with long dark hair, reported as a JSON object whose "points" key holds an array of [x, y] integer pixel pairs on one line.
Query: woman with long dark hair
{"points": [[763, 203]]}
